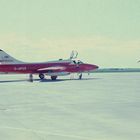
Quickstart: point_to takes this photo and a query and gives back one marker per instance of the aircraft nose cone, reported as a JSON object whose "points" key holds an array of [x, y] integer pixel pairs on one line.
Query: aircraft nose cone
{"points": [[93, 67], [96, 67]]}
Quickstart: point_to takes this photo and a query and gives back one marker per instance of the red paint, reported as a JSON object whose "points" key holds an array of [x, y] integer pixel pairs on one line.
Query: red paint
{"points": [[54, 68], [34, 67]]}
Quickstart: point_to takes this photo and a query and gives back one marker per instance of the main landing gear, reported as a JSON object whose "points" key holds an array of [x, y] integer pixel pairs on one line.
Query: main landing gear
{"points": [[41, 76], [53, 78]]}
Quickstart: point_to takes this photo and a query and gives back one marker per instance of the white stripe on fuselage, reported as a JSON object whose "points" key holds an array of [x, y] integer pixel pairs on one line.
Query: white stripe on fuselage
{"points": [[52, 68]]}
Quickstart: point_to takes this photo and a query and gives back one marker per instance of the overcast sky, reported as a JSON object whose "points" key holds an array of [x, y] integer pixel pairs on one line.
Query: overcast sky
{"points": [[104, 32]]}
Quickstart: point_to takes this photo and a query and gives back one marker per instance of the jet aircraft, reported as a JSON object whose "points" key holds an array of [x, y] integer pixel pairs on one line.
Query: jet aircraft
{"points": [[53, 69]]}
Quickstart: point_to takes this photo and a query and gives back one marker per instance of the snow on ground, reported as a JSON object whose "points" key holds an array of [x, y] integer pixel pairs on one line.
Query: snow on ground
{"points": [[99, 107]]}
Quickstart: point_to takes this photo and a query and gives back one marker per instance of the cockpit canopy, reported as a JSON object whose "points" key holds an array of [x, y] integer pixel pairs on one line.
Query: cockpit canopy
{"points": [[77, 62]]}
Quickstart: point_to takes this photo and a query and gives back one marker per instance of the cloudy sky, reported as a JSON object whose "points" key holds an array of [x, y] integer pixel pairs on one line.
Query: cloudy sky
{"points": [[104, 32]]}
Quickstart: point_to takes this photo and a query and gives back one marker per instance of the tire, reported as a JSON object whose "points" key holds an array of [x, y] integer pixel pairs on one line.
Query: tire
{"points": [[80, 76], [41, 76], [53, 78]]}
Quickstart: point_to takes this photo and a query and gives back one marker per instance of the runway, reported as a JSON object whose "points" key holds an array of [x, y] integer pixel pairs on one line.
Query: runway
{"points": [[102, 106]]}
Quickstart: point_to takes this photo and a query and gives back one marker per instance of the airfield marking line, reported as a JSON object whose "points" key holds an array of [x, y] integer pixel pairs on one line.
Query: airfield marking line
{"points": [[46, 133]]}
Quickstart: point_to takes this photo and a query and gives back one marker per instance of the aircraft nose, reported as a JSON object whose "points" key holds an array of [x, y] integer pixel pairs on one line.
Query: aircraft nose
{"points": [[92, 67], [96, 67]]}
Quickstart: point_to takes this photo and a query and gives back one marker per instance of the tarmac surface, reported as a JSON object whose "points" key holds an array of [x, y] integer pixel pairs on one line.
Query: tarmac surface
{"points": [[102, 106]]}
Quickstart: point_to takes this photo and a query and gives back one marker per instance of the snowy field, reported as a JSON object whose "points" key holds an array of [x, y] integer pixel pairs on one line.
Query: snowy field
{"points": [[99, 107]]}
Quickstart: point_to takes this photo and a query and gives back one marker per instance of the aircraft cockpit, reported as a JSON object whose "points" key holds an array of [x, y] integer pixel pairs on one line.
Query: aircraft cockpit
{"points": [[73, 57], [77, 62]]}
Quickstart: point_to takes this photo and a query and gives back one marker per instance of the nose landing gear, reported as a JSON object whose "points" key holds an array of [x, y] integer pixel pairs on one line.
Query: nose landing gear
{"points": [[80, 76]]}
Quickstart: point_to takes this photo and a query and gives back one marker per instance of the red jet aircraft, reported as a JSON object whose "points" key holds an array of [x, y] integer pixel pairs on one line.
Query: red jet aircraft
{"points": [[53, 69]]}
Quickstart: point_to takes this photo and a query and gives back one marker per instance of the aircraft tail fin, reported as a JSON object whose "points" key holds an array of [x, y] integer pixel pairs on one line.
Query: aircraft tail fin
{"points": [[7, 59]]}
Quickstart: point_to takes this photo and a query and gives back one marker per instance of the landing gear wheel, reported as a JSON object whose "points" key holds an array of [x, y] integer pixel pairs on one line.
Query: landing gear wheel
{"points": [[53, 78], [80, 76], [41, 76]]}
